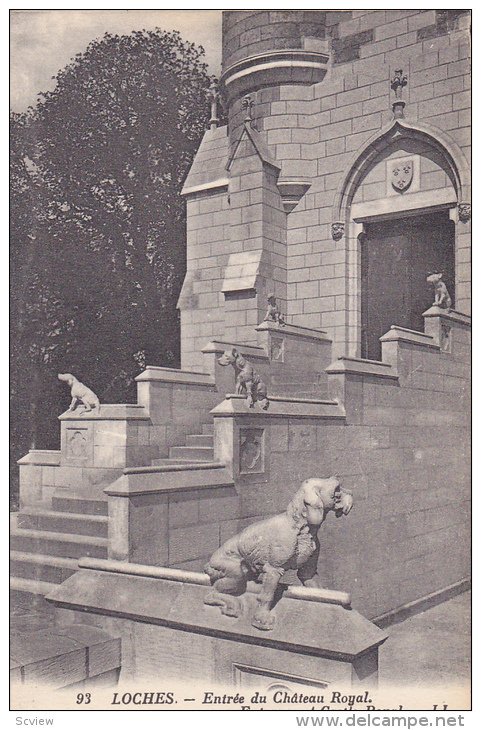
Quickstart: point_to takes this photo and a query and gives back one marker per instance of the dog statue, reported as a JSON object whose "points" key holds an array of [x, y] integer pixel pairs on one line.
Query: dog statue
{"points": [[265, 550], [441, 294], [247, 380], [273, 312], [80, 393]]}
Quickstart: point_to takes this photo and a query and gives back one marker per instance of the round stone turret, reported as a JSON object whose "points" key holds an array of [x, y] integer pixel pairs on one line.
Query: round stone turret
{"points": [[271, 47], [265, 49]]}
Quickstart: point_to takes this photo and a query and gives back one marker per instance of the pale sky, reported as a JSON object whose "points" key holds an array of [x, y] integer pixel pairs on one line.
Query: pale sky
{"points": [[43, 41]]}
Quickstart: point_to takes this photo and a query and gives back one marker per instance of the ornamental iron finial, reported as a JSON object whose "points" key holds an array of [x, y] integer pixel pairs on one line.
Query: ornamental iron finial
{"points": [[398, 82]]}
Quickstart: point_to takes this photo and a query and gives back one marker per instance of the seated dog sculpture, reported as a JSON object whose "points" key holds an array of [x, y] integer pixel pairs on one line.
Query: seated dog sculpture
{"points": [[80, 393], [266, 549], [247, 380], [441, 294], [273, 312]]}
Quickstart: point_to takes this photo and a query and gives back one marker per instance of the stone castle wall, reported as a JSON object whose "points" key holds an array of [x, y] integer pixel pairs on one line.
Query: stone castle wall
{"points": [[317, 133], [395, 432]]}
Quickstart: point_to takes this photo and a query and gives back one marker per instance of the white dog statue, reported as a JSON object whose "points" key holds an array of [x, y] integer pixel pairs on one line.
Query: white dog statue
{"points": [[80, 393]]}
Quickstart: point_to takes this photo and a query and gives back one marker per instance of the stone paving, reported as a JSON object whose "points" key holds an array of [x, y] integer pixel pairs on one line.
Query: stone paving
{"points": [[433, 647]]}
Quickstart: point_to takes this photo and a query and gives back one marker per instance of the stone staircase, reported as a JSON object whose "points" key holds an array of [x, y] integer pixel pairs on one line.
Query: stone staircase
{"points": [[47, 541], [198, 448], [49, 537]]}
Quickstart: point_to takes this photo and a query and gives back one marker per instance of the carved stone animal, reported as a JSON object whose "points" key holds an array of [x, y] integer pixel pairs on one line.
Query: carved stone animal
{"points": [[248, 382], [273, 312], [441, 294], [80, 393], [266, 549]]}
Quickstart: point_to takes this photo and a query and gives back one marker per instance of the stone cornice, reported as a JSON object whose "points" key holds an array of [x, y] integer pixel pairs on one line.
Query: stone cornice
{"points": [[289, 66], [396, 334], [167, 600], [171, 375], [221, 182], [249, 351], [41, 457], [293, 330], [317, 595], [108, 412], [235, 406], [450, 315], [357, 366], [170, 479]]}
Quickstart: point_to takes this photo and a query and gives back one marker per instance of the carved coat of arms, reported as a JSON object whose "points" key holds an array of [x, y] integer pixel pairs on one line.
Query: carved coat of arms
{"points": [[402, 175]]}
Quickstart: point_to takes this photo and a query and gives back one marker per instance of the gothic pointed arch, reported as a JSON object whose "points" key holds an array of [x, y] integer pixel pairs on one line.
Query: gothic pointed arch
{"points": [[397, 130]]}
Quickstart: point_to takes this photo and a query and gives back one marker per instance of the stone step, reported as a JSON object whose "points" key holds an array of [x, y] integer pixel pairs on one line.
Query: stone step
{"points": [[174, 462], [200, 439], [65, 500], [208, 428], [44, 568], [36, 518], [58, 543], [192, 453]]}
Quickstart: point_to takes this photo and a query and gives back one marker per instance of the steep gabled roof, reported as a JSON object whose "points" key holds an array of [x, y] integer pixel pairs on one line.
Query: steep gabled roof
{"points": [[259, 145]]}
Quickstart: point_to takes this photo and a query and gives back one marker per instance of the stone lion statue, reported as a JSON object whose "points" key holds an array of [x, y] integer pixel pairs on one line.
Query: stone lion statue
{"points": [[266, 549]]}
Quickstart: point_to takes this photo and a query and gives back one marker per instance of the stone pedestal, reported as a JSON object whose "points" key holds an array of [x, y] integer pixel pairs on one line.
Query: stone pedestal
{"points": [[166, 627], [447, 328], [97, 446]]}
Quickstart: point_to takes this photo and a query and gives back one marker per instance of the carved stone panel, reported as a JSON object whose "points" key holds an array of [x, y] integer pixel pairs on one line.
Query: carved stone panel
{"points": [[277, 349], [445, 340], [251, 451], [78, 444]]}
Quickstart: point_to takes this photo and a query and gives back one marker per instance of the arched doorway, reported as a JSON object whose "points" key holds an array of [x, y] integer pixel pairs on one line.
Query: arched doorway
{"points": [[395, 235]]}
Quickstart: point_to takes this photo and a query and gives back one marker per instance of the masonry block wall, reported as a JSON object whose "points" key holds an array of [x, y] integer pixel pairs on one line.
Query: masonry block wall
{"points": [[319, 131], [412, 479], [258, 234], [208, 249], [201, 301], [396, 433], [403, 450]]}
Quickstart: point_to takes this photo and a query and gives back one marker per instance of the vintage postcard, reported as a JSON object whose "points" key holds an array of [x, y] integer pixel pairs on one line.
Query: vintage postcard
{"points": [[240, 364]]}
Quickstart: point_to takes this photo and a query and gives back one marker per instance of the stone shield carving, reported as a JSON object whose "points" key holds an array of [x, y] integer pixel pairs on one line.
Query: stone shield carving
{"points": [[251, 450], [277, 349], [78, 444], [402, 175]]}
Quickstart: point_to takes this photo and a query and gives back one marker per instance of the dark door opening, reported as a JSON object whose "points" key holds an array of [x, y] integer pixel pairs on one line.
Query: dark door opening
{"points": [[396, 257]]}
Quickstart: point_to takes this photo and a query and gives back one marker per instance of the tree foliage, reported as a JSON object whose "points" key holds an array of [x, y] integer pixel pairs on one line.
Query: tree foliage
{"points": [[97, 222]]}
